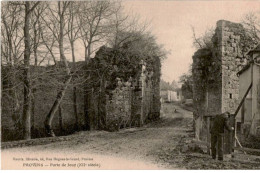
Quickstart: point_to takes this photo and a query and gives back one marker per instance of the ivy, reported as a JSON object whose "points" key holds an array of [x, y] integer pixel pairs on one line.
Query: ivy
{"points": [[110, 64]]}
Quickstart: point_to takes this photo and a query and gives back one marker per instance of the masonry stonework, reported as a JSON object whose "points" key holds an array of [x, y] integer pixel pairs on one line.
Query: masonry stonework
{"points": [[231, 54], [214, 70], [128, 98]]}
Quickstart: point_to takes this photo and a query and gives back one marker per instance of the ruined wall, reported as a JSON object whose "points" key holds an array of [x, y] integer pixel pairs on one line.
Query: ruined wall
{"points": [[200, 73], [219, 85], [214, 70], [151, 104], [118, 108], [127, 94], [206, 89], [133, 103], [108, 104], [231, 54], [147, 99]]}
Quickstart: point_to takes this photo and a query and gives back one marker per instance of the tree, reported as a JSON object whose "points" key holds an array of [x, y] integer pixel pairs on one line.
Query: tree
{"points": [[36, 25], [143, 44], [12, 50], [94, 27], [186, 80], [174, 85], [51, 33], [62, 8], [73, 33], [93, 23], [203, 41], [164, 85], [124, 29], [251, 37], [251, 22], [12, 33], [27, 82]]}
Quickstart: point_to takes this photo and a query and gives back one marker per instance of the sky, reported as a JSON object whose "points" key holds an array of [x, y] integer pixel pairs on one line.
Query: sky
{"points": [[171, 23]]}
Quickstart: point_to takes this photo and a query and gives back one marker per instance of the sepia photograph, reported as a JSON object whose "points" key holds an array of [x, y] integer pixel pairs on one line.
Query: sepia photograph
{"points": [[130, 85]]}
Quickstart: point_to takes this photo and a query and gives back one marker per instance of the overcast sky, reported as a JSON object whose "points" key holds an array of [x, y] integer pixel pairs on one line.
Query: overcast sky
{"points": [[171, 23]]}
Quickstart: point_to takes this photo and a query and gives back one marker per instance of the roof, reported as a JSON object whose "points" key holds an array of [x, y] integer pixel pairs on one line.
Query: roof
{"points": [[256, 49]]}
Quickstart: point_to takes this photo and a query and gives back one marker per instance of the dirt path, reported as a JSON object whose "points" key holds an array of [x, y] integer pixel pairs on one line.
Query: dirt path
{"points": [[158, 145]]}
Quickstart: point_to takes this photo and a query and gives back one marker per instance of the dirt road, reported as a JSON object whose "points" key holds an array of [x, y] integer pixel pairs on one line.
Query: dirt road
{"points": [[158, 145]]}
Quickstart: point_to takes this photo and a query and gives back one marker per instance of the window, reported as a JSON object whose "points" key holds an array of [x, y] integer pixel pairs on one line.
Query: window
{"points": [[230, 96]]}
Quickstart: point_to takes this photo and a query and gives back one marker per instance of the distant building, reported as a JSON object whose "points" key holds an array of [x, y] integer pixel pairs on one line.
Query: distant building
{"points": [[170, 96]]}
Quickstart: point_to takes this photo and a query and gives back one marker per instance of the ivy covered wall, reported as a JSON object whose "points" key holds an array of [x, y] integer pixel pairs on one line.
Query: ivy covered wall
{"points": [[124, 89], [214, 71]]}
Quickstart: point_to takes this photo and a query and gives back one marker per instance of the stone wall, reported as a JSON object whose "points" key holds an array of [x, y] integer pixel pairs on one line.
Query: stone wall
{"points": [[132, 104], [131, 101], [124, 97], [220, 85], [118, 108], [231, 54], [216, 85], [45, 93]]}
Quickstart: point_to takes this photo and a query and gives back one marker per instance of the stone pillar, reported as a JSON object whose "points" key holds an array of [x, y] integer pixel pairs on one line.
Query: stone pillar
{"points": [[231, 54]]}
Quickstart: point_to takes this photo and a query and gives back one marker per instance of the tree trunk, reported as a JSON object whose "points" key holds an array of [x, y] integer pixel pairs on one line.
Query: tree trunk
{"points": [[27, 85], [86, 109], [86, 96], [86, 55], [75, 108], [33, 110], [101, 107], [60, 119], [61, 93], [54, 108], [35, 47]]}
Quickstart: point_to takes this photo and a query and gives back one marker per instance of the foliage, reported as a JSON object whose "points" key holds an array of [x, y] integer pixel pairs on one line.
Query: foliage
{"points": [[125, 62], [251, 22], [53, 30], [168, 86], [187, 82], [110, 64], [203, 41]]}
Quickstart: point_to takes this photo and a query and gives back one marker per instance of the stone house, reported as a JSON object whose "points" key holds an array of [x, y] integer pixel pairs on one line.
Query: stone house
{"points": [[248, 117]]}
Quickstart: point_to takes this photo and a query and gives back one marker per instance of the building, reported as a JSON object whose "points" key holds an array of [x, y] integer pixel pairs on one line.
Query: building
{"points": [[170, 96], [248, 117]]}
